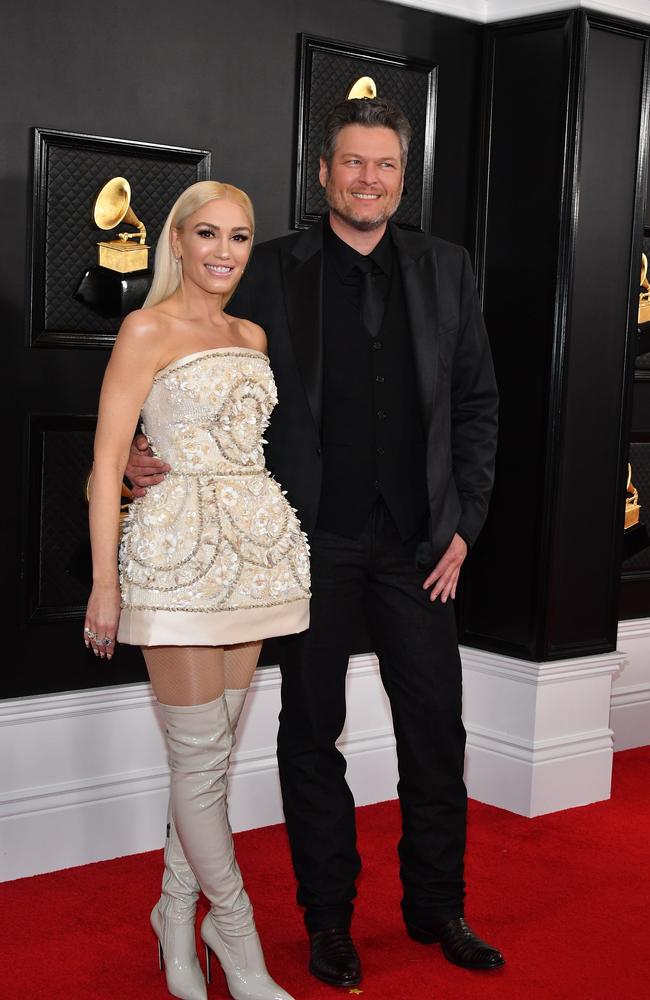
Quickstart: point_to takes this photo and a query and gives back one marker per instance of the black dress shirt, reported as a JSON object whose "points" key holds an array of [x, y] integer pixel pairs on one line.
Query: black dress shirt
{"points": [[372, 435]]}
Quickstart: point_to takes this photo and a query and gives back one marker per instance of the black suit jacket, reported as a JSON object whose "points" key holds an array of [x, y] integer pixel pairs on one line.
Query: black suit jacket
{"points": [[282, 291]]}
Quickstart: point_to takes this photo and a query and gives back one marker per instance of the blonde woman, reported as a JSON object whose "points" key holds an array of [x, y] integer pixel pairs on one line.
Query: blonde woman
{"points": [[212, 560]]}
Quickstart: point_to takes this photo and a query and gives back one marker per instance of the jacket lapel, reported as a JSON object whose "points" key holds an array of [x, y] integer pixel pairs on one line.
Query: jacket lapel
{"points": [[420, 277], [303, 286]]}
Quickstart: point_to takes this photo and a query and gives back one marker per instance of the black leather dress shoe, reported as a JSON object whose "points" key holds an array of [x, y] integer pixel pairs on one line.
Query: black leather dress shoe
{"points": [[459, 944], [334, 959]]}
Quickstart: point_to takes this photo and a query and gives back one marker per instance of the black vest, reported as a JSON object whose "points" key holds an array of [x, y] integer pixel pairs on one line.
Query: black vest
{"points": [[374, 442]]}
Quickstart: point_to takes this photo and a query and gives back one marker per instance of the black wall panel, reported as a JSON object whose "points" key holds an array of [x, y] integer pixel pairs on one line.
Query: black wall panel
{"points": [[560, 219], [527, 87], [212, 76], [583, 581]]}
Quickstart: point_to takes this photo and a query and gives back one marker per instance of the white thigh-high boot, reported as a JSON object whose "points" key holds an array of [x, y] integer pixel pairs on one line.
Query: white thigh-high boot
{"points": [[199, 738], [172, 918]]}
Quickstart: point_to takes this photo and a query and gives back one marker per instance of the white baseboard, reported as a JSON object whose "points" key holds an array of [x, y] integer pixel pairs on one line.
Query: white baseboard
{"points": [[538, 734], [83, 775], [630, 716], [533, 778]]}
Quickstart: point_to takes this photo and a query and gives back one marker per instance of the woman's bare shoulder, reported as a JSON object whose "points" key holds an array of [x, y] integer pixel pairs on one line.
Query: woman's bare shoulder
{"points": [[251, 333], [142, 323], [143, 332]]}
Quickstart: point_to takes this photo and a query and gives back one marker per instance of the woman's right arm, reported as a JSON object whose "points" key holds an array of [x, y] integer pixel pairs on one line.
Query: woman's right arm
{"points": [[133, 363]]}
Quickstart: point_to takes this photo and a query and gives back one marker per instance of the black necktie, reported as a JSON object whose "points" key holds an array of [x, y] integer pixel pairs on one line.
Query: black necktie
{"points": [[372, 304]]}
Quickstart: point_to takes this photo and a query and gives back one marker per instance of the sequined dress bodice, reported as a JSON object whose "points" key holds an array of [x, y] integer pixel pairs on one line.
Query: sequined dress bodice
{"points": [[218, 535], [206, 413]]}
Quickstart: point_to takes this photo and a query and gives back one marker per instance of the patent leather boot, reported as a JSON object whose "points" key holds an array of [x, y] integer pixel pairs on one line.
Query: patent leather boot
{"points": [[242, 960], [173, 925], [173, 916], [200, 740]]}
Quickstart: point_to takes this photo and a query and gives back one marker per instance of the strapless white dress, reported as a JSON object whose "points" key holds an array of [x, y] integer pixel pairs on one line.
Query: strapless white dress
{"points": [[214, 555]]}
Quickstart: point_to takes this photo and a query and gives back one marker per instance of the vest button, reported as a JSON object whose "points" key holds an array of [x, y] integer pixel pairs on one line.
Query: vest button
{"points": [[377, 484], [376, 345], [381, 414], [379, 378], [319, 451], [380, 451]]}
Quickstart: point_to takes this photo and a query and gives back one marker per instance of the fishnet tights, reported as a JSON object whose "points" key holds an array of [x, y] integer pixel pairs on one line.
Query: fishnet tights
{"points": [[195, 675]]}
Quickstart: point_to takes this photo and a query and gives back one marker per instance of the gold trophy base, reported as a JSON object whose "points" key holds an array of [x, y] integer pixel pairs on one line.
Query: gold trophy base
{"points": [[122, 256]]}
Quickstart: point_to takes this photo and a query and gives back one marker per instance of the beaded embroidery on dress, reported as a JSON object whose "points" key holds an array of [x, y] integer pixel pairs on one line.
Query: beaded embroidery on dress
{"points": [[213, 555]]}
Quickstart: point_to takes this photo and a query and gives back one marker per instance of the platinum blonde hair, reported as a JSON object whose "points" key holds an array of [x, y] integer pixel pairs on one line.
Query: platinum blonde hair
{"points": [[168, 272]]}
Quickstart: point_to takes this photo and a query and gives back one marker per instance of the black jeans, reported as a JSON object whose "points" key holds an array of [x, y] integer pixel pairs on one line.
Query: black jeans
{"points": [[416, 643]]}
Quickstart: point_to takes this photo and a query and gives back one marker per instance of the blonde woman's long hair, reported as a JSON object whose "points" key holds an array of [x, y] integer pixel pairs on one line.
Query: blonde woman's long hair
{"points": [[168, 273]]}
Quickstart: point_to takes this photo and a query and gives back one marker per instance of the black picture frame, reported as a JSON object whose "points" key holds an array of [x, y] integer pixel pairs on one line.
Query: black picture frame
{"points": [[68, 170], [327, 68]]}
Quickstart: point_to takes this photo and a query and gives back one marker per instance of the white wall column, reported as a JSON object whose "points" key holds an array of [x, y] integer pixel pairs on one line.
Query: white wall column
{"points": [[539, 738]]}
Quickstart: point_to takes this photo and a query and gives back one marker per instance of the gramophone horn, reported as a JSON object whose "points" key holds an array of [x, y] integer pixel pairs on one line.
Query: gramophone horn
{"points": [[365, 86], [113, 205]]}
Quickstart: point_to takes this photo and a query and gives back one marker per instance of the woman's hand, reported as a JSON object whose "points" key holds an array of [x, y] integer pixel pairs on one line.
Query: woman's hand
{"points": [[102, 617], [143, 470]]}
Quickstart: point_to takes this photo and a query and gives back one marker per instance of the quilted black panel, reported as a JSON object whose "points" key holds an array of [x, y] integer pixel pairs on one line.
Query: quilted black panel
{"points": [[64, 576], [75, 176], [408, 85], [66, 236], [58, 564]]}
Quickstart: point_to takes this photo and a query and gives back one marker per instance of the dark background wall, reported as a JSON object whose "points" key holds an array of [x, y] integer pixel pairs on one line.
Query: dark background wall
{"points": [[206, 75]]}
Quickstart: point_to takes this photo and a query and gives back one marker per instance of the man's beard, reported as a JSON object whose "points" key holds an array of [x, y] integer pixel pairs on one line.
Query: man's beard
{"points": [[365, 225]]}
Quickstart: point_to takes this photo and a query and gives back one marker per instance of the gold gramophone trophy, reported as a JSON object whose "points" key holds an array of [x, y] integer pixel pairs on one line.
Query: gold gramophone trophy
{"points": [[113, 206], [635, 535], [644, 294], [365, 86], [642, 360], [632, 505], [119, 282]]}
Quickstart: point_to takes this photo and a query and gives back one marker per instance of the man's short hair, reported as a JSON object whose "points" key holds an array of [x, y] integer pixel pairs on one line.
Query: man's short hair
{"points": [[373, 112]]}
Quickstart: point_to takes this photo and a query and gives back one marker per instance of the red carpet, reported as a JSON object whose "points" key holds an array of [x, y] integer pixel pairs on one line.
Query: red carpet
{"points": [[565, 896]]}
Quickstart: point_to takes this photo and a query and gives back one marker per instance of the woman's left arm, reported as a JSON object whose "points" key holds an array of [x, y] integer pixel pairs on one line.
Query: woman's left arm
{"points": [[129, 374]]}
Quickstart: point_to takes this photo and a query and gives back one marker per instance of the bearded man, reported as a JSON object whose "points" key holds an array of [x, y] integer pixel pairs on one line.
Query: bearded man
{"points": [[384, 438]]}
